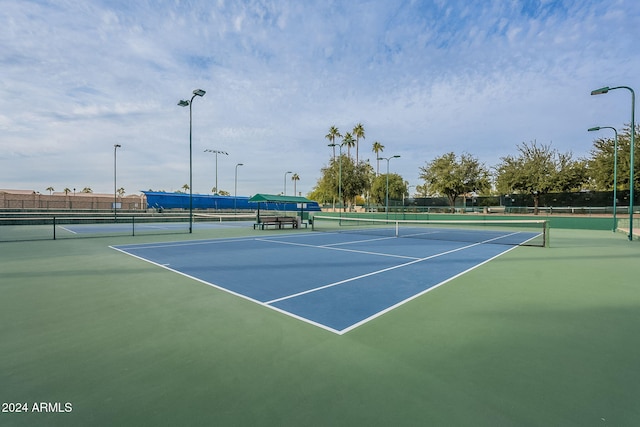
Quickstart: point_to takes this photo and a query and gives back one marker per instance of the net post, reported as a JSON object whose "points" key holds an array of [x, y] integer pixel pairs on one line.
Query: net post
{"points": [[545, 238], [54, 228], [133, 225], [397, 228]]}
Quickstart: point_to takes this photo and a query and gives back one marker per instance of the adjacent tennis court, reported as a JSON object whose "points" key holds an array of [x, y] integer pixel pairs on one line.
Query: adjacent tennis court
{"points": [[43, 226], [333, 280]]}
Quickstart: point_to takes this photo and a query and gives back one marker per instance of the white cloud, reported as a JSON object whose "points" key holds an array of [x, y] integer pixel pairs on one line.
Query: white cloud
{"points": [[423, 78]]}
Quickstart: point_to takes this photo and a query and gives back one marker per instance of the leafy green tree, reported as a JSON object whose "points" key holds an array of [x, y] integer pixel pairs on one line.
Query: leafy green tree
{"points": [[397, 188], [356, 180], [377, 148], [538, 170], [446, 175], [120, 191], [422, 190], [358, 132], [600, 165]]}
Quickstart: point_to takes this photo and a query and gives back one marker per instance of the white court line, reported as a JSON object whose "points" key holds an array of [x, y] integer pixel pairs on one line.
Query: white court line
{"points": [[178, 244], [330, 285], [268, 304], [358, 241], [398, 304], [229, 291], [338, 249], [66, 229]]}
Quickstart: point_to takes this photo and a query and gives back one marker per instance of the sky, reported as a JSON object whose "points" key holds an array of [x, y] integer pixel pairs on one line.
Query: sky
{"points": [[423, 77]]}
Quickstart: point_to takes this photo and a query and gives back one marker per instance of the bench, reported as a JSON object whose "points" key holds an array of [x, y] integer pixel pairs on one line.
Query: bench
{"points": [[287, 220], [278, 221]]}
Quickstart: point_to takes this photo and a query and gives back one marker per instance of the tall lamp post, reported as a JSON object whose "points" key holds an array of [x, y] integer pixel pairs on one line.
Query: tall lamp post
{"points": [[387, 197], [115, 186], [339, 173], [183, 103], [606, 89], [216, 152], [235, 188], [615, 169], [285, 181]]}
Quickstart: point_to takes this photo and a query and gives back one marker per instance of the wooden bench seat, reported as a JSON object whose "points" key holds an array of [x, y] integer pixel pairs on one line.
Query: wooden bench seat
{"points": [[276, 221]]}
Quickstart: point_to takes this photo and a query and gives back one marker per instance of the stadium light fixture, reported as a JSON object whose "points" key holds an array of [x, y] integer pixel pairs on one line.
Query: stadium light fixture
{"points": [[235, 188], [216, 152], [604, 90], [115, 186], [600, 91], [184, 103], [387, 196], [285, 182], [615, 169]]}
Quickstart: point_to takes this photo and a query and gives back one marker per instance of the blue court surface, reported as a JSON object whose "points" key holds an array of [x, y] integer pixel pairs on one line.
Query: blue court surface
{"points": [[142, 227], [335, 281]]}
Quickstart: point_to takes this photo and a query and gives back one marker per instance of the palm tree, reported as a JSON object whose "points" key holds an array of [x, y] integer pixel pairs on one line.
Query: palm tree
{"points": [[295, 178], [87, 190], [377, 148], [331, 136], [50, 190], [121, 191], [349, 142], [67, 191], [358, 132], [185, 187]]}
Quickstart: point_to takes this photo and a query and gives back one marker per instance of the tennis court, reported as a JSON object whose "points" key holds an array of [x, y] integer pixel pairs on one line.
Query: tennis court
{"points": [[333, 280], [64, 226], [535, 336]]}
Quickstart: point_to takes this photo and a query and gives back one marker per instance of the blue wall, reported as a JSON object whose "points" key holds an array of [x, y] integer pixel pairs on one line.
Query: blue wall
{"points": [[156, 199]]}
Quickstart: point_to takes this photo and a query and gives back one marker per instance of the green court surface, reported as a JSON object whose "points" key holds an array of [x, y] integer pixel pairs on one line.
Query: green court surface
{"points": [[536, 337]]}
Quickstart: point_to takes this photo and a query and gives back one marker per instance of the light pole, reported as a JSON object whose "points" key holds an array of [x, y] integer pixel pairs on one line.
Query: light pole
{"points": [[339, 174], [631, 147], [115, 186], [387, 197], [183, 103], [235, 188], [216, 152], [615, 169], [285, 181]]}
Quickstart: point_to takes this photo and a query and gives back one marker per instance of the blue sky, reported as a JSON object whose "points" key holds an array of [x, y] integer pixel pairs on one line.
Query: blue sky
{"points": [[423, 77]]}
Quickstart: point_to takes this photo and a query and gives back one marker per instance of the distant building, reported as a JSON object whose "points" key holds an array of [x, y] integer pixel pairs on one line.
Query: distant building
{"points": [[30, 199]]}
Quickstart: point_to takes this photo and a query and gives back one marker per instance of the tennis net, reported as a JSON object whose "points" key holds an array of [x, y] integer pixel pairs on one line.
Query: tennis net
{"points": [[59, 225], [505, 232]]}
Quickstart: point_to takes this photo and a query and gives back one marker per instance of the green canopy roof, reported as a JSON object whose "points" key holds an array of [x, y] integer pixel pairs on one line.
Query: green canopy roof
{"points": [[272, 198]]}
